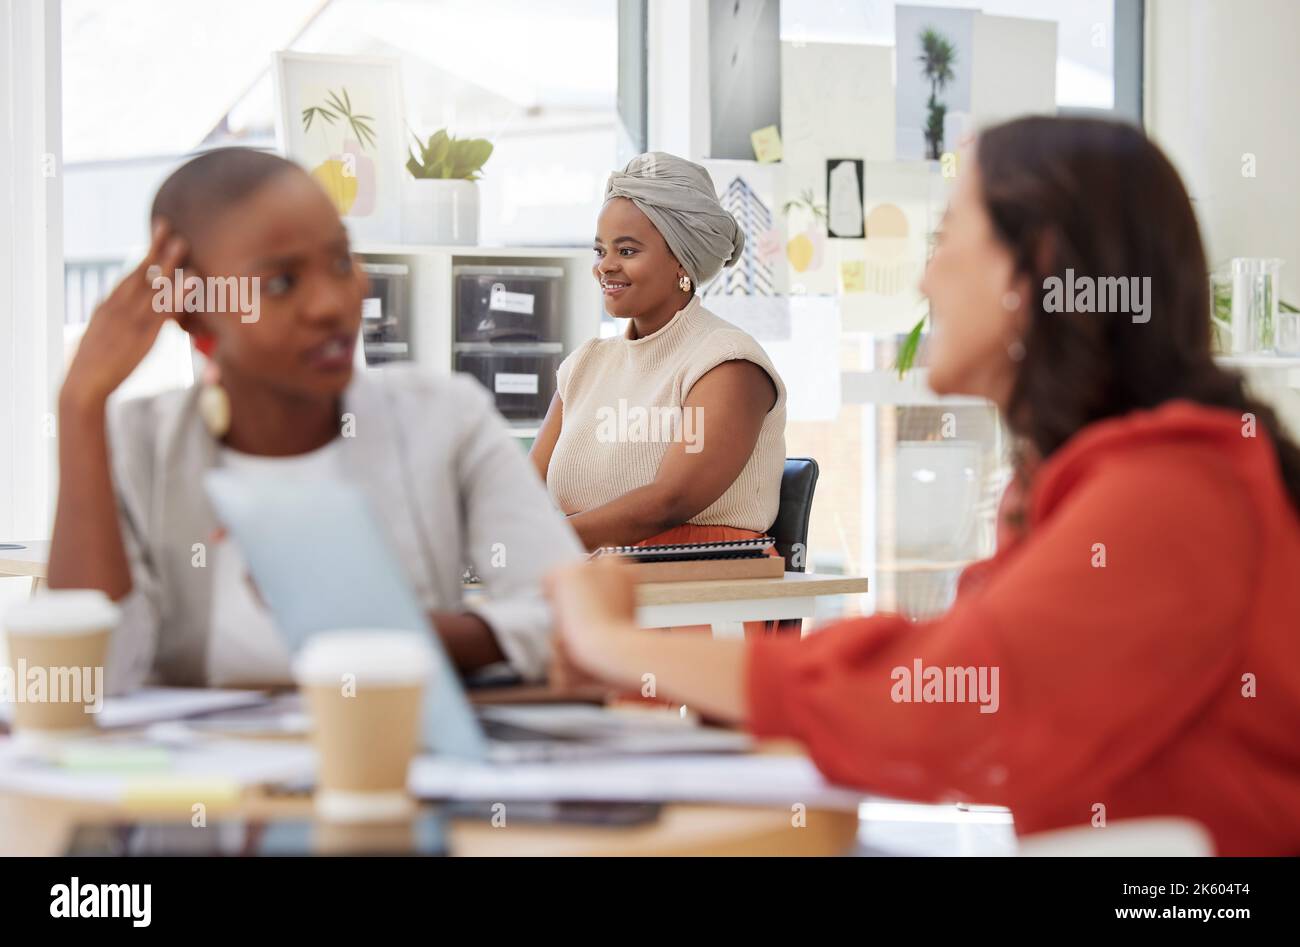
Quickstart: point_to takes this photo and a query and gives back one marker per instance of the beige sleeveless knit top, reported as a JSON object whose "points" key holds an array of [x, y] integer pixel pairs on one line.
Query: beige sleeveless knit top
{"points": [[623, 407]]}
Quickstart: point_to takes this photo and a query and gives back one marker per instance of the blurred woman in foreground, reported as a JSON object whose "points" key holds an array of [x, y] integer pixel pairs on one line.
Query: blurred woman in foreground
{"points": [[281, 399], [1136, 645]]}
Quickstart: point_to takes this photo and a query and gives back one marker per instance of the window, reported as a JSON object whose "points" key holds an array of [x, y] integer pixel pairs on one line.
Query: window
{"points": [[910, 483], [148, 82]]}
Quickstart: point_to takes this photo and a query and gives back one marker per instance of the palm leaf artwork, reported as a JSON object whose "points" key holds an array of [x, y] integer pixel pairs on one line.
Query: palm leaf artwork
{"points": [[360, 124], [934, 129], [937, 58], [311, 112], [339, 106], [338, 174]]}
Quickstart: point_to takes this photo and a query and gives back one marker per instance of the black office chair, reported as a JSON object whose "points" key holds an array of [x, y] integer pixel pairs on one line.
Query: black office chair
{"points": [[790, 530], [791, 527]]}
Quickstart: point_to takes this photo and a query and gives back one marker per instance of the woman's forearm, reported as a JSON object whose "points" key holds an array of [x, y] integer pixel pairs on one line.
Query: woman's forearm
{"points": [[705, 674], [636, 515], [470, 643], [86, 550]]}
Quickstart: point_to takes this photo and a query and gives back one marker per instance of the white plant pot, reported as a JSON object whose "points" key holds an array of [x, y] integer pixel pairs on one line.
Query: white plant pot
{"points": [[436, 211]]}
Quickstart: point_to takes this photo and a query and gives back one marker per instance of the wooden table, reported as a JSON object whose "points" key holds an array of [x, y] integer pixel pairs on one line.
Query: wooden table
{"points": [[32, 825], [40, 826], [726, 604], [28, 562]]}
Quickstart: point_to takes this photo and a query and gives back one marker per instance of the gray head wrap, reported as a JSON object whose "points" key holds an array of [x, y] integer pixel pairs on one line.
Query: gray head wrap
{"points": [[678, 197]]}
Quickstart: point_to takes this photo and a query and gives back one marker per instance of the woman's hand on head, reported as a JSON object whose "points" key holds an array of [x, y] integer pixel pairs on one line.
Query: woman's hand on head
{"points": [[125, 325], [594, 603]]}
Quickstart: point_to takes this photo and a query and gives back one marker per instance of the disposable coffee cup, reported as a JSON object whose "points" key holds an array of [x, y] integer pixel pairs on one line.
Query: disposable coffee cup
{"points": [[332, 837], [53, 678], [364, 690]]}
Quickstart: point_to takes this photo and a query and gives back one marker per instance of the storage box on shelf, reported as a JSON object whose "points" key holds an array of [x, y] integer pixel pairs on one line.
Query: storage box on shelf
{"points": [[520, 377], [515, 304], [386, 313], [466, 309]]}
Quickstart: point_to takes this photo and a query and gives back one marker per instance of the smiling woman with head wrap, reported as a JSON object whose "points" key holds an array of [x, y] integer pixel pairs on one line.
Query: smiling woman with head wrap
{"points": [[678, 198], [674, 430]]}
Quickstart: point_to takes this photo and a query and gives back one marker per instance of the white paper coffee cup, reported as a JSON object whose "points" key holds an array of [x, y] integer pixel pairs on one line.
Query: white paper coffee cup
{"points": [[365, 691], [54, 674]]}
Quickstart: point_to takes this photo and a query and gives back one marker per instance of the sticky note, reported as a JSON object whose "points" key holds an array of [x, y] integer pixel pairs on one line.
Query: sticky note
{"points": [[111, 759], [767, 144], [853, 276], [180, 792]]}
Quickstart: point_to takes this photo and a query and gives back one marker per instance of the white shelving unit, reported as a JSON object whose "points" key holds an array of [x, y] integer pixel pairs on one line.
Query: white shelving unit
{"points": [[885, 387], [1275, 379], [1283, 367], [433, 304]]}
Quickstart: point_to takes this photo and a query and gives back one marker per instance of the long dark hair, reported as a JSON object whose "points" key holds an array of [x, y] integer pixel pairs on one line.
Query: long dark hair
{"points": [[1100, 199]]}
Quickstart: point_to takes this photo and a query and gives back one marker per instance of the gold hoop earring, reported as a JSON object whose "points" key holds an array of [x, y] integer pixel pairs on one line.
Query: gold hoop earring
{"points": [[214, 402], [685, 284]]}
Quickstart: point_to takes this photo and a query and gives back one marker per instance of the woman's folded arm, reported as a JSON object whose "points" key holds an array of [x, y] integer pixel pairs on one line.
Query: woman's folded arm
{"points": [[1111, 628]]}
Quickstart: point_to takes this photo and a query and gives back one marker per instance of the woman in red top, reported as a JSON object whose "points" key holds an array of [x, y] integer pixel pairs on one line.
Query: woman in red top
{"points": [[1136, 644]]}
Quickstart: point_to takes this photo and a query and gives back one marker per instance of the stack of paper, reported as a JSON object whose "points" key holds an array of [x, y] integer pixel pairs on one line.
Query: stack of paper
{"points": [[755, 779], [114, 766], [152, 704], [120, 770]]}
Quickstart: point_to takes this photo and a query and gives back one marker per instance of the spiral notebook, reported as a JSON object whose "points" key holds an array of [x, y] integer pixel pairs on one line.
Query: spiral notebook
{"points": [[687, 562]]}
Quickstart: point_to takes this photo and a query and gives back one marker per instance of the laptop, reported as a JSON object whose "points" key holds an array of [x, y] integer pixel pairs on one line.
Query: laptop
{"points": [[321, 562]]}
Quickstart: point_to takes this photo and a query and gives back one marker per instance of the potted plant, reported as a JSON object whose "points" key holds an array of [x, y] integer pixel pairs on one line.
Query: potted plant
{"points": [[440, 198], [1286, 333], [909, 349]]}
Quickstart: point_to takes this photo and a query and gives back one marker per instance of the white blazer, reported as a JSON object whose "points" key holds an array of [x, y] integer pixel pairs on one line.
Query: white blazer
{"points": [[449, 484]]}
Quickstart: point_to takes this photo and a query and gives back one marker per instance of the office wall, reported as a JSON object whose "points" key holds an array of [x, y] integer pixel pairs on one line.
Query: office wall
{"points": [[744, 73], [1221, 81], [1015, 68]]}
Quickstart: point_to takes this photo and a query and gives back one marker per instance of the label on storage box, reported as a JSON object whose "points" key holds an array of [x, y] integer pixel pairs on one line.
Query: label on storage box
{"points": [[507, 383], [504, 301]]}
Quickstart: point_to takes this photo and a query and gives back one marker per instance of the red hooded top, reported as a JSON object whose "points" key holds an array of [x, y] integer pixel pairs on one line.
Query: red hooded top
{"points": [[1140, 643]]}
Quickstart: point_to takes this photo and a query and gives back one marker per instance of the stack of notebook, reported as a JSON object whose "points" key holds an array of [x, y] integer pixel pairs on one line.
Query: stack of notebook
{"points": [[686, 562]]}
